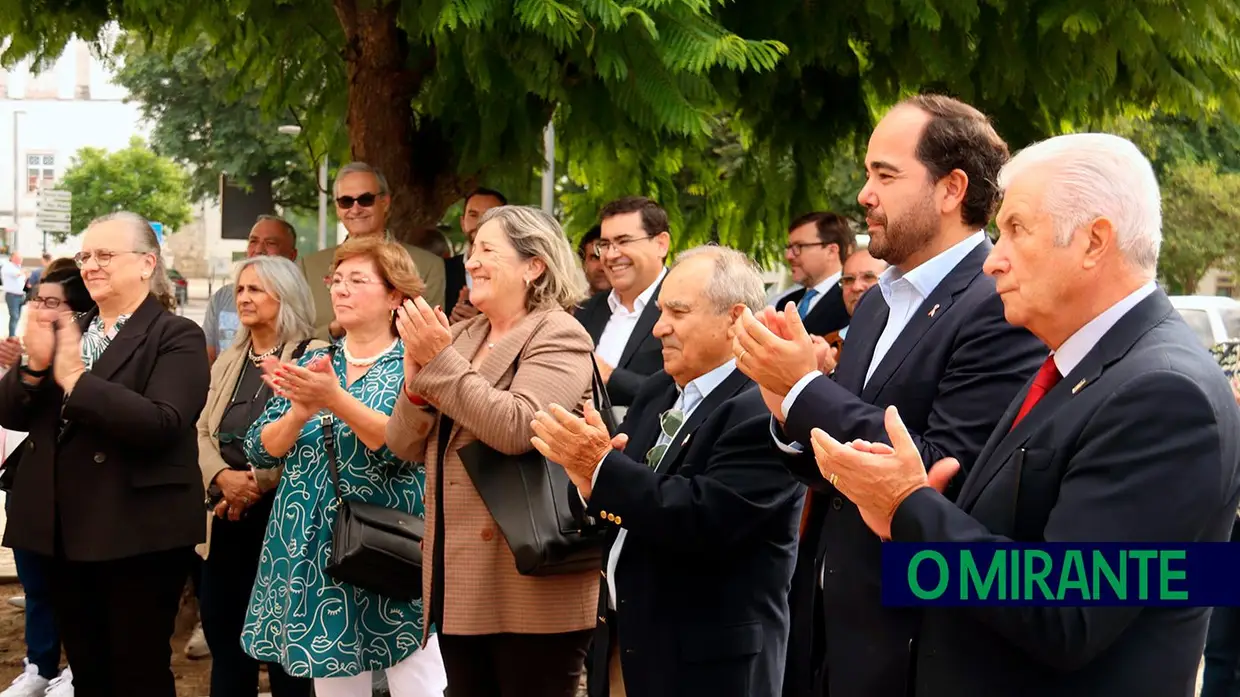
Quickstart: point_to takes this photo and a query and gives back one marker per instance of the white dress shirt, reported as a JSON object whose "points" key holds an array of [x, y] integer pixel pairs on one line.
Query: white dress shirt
{"points": [[690, 397], [1083, 340], [620, 325], [904, 293]]}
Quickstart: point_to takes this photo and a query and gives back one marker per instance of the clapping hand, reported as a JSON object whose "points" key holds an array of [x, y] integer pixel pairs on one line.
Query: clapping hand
{"points": [[40, 338], [424, 330], [462, 310], [311, 388], [67, 364], [774, 350], [577, 444], [10, 352]]}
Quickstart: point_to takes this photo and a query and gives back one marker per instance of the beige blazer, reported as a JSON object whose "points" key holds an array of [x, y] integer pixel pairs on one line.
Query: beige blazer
{"points": [[224, 375], [544, 359], [315, 266]]}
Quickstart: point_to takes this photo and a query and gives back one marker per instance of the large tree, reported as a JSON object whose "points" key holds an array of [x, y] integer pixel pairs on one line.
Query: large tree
{"points": [[134, 179], [443, 94], [203, 118]]}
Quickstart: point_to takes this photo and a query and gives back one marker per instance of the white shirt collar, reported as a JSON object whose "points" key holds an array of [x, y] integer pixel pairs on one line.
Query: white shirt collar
{"points": [[613, 299], [1083, 340], [926, 277], [700, 387], [828, 283]]}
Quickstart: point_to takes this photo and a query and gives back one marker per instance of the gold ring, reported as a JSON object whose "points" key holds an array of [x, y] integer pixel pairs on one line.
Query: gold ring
{"points": [[833, 478], [741, 357]]}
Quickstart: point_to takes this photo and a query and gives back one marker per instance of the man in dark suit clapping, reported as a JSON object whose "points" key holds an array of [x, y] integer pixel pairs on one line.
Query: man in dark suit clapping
{"points": [[933, 341], [693, 598], [1129, 432]]}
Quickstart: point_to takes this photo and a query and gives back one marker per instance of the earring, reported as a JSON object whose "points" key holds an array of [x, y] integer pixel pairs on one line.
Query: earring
{"points": [[527, 283]]}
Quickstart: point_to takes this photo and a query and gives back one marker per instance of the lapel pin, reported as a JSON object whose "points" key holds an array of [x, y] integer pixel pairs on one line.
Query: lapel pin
{"points": [[685, 442], [934, 310], [1078, 387]]}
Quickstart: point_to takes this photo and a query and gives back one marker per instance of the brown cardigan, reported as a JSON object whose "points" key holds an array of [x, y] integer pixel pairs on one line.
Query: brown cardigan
{"points": [[544, 359]]}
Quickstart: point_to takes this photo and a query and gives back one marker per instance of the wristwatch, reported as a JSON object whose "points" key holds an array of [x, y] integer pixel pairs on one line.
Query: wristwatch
{"points": [[27, 370]]}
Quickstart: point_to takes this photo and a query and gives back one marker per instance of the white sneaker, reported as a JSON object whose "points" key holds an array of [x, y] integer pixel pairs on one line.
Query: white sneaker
{"points": [[196, 647], [61, 685], [28, 684], [18, 601]]}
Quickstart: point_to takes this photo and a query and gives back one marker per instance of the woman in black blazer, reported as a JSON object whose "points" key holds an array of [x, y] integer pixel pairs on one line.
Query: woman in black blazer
{"points": [[109, 486]]}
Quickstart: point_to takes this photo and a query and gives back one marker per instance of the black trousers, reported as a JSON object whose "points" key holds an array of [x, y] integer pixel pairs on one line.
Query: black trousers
{"points": [[116, 619], [514, 665], [227, 581]]}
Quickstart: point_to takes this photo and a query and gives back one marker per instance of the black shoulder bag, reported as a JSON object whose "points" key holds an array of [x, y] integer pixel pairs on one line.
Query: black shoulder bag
{"points": [[529, 498], [375, 548]]}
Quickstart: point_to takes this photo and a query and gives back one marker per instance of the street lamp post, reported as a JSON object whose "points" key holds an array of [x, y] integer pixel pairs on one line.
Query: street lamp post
{"points": [[296, 130], [17, 221]]}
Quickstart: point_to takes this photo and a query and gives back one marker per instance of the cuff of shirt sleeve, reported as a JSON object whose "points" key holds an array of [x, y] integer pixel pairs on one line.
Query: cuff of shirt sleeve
{"points": [[793, 448], [795, 392], [593, 481]]}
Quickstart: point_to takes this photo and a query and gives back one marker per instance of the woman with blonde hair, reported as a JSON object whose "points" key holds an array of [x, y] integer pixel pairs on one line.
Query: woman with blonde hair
{"points": [[501, 632], [299, 615]]}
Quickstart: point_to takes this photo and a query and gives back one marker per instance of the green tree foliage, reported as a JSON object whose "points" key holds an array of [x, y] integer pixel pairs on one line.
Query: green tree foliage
{"points": [[134, 179], [446, 94], [1201, 220], [201, 119]]}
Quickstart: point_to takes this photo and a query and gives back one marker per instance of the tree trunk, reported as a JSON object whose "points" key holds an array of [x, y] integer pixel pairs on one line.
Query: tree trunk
{"points": [[418, 162]]}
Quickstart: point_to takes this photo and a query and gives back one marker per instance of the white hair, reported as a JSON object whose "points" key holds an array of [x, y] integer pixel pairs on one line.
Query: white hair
{"points": [[285, 282], [1097, 175], [735, 278], [363, 168]]}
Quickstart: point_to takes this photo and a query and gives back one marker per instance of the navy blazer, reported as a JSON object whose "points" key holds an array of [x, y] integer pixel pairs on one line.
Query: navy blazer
{"points": [[702, 582], [1139, 443], [829, 314], [643, 353], [952, 371]]}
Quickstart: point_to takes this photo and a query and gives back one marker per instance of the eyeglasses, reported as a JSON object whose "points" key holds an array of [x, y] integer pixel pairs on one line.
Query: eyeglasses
{"points": [[796, 247], [603, 246], [365, 200], [352, 282], [49, 303], [102, 257], [868, 277]]}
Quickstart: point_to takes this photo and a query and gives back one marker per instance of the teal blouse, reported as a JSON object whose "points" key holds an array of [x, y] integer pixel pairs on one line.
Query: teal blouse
{"points": [[298, 616]]}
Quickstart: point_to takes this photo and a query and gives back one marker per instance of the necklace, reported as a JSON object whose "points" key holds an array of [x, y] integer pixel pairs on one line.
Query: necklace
{"points": [[258, 358], [366, 362]]}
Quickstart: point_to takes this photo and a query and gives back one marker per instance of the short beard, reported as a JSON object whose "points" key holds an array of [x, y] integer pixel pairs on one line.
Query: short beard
{"points": [[904, 237]]}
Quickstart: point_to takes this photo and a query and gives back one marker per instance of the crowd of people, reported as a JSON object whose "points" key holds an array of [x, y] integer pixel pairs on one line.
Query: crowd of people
{"points": [[741, 468]]}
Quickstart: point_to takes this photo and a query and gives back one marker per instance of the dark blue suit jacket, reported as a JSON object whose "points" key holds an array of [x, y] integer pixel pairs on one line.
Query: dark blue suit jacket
{"points": [[702, 581], [951, 372], [1140, 442]]}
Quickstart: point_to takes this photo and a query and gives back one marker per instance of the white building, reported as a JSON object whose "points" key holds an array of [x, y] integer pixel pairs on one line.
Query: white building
{"points": [[48, 117]]}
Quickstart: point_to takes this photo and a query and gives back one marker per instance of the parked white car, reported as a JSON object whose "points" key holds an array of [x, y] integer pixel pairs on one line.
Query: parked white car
{"points": [[1212, 318]]}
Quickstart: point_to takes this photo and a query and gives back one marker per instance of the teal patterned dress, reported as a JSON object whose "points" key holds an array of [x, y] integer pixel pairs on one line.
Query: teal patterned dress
{"points": [[298, 616]]}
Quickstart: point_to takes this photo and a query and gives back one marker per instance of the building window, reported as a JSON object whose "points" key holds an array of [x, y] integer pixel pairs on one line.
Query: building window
{"points": [[40, 171]]}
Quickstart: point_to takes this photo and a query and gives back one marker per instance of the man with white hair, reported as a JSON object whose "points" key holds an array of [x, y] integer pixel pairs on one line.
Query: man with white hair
{"points": [[702, 515], [1129, 433]]}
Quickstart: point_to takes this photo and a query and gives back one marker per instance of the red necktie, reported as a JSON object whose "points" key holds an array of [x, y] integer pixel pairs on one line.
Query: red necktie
{"points": [[1048, 376]]}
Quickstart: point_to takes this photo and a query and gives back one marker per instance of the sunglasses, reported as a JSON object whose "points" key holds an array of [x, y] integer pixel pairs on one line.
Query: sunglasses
{"points": [[365, 200]]}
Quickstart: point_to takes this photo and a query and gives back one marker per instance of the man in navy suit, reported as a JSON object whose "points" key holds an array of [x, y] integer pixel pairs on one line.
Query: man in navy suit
{"points": [[1128, 433], [933, 341], [694, 590], [818, 244]]}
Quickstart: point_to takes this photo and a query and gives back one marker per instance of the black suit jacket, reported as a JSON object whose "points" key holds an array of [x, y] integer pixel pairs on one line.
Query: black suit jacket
{"points": [[829, 314], [122, 479], [454, 281], [1140, 442], [643, 353], [702, 581], [951, 372]]}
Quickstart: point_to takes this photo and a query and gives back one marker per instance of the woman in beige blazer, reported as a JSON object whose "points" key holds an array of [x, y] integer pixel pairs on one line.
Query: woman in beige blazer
{"points": [[276, 315], [500, 633]]}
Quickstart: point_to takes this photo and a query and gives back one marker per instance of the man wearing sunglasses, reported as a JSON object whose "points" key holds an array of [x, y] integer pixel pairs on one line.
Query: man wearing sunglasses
{"points": [[818, 244], [363, 200]]}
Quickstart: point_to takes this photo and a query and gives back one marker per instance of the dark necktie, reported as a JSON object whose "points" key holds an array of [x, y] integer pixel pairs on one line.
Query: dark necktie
{"points": [[1048, 376]]}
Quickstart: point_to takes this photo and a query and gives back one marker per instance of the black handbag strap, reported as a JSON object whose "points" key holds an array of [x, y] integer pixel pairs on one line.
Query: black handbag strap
{"points": [[329, 447], [602, 400]]}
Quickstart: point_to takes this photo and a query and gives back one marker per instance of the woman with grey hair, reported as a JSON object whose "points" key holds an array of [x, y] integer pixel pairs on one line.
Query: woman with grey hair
{"points": [[276, 316], [108, 487], [480, 382]]}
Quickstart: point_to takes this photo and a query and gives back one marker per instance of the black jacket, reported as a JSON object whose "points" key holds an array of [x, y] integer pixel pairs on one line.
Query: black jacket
{"points": [[643, 353], [122, 479]]}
